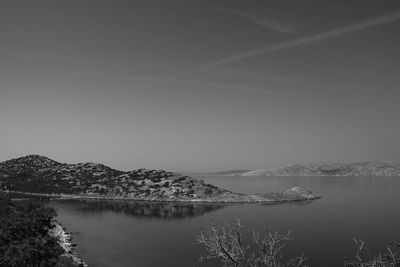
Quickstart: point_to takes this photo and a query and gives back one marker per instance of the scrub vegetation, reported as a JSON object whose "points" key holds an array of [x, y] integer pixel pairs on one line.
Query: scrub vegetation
{"points": [[25, 238], [265, 249]]}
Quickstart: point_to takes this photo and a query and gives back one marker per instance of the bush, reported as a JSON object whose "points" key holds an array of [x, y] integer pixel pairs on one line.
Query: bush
{"points": [[226, 244], [264, 250], [24, 238], [390, 258]]}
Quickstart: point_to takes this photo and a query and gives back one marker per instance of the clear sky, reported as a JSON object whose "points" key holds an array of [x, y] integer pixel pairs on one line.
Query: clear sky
{"points": [[200, 85]]}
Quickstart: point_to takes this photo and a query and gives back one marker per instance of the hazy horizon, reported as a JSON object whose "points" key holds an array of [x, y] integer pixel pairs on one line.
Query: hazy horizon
{"points": [[200, 85]]}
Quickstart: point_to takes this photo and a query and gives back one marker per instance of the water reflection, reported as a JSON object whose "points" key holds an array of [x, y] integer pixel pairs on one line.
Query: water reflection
{"points": [[295, 203], [124, 233], [139, 209], [20, 196]]}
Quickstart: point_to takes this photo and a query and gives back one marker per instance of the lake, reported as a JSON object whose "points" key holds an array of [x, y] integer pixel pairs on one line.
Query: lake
{"points": [[128, 233]]}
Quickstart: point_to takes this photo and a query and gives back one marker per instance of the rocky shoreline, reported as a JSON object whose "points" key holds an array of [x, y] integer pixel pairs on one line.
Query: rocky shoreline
{"points": [[64, 240], [293, 194]]}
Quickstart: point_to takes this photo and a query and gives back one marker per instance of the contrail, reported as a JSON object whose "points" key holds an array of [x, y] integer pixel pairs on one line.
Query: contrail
{"points": [[387, 18], [262, 22]]}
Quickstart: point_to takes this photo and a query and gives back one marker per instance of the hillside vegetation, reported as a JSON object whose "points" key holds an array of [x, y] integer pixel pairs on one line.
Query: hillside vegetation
{"points": [[38, 174]]}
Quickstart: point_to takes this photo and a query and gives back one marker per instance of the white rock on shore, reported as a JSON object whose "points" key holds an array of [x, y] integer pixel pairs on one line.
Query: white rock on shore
{"points": [[64, 240]]}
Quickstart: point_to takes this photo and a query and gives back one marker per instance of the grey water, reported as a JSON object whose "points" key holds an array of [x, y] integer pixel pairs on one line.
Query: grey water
{"points": [[127, 233]]}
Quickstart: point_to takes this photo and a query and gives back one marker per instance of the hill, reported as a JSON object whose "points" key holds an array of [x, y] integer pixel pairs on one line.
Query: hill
{"points": [[41, 175], [332, 169], [224, 173]]}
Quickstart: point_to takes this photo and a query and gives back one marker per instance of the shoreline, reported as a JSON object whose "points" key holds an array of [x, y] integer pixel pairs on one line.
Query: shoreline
{"points": [[247, 199], [65, 241]]}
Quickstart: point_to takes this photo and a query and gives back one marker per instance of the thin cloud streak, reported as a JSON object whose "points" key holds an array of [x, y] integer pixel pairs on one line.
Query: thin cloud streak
{"points": [[242, 88], [279, 78], [209, 84], [384, 19], [387, 18], [262, 22], [169, 78]]}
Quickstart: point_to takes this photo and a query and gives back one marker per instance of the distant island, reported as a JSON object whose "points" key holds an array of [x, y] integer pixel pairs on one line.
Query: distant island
{"points": [[332, 169], [224, 173], [39, 175]]}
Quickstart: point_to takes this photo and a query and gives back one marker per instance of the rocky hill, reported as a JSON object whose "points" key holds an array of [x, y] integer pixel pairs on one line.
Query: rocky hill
{"points": [[333, 169], [41, 175]]}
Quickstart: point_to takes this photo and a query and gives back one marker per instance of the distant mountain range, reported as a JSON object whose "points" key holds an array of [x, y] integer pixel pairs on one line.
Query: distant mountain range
{"points": [[41, 175], [332, 169]]}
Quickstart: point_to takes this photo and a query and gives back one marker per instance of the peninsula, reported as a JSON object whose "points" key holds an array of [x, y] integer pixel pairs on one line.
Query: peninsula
{"points": [[40, 175]]}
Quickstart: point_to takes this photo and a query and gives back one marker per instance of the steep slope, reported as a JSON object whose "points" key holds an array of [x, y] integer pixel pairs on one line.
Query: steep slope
{"points": [[333, 169], [37, 174]]}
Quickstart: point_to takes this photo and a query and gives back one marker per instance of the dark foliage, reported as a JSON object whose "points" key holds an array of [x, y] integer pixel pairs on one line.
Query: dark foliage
{"points": [[24, 238]]}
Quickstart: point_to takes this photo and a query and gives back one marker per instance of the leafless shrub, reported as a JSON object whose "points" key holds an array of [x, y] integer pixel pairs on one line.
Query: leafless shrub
{"points": [[264, 250], [362, 258]]}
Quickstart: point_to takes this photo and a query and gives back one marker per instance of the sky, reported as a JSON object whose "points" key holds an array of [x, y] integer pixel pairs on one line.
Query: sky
{"points": [[200, 85]]}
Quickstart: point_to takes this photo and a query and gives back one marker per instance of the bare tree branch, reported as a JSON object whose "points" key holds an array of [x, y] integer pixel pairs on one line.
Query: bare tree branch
{"points": [[226, 244]]}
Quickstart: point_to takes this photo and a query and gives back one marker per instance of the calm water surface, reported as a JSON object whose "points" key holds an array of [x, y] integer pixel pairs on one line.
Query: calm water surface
{"points": [[126, 233]]}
